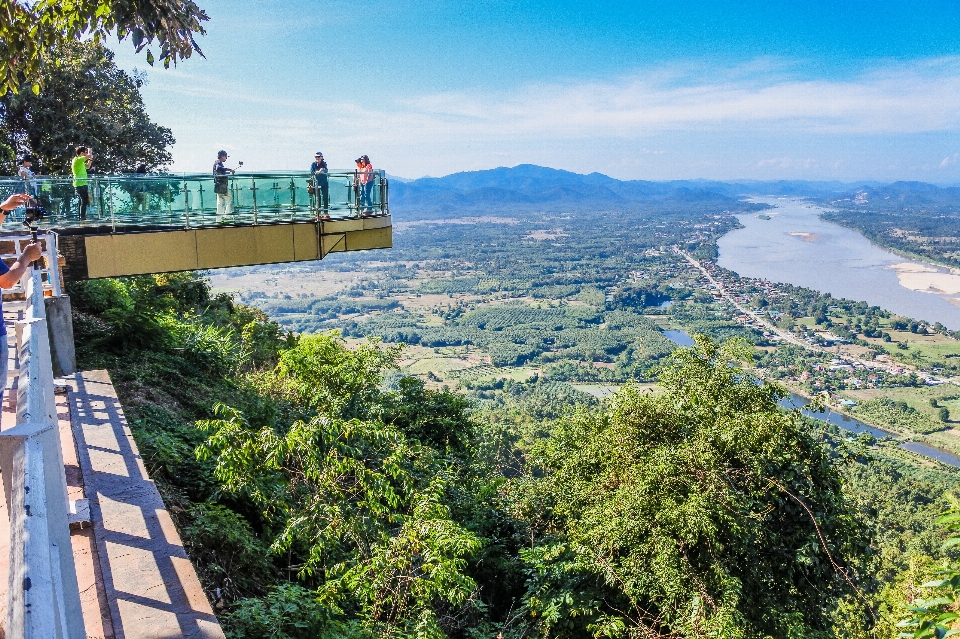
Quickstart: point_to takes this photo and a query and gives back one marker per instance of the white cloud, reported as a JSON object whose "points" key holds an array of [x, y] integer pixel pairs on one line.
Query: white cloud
{"points": [[546, 122], [908, 98], [789, 163]]}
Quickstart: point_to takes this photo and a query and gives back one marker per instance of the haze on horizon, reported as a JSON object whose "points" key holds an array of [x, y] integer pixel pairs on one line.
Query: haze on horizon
{"points": [[717, 90]]}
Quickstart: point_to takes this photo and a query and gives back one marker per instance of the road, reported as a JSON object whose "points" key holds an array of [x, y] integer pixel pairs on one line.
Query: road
{"points": [[787, 336]]}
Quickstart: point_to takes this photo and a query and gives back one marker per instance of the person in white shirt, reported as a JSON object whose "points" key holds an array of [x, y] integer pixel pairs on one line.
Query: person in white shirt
{"points": [[29, 177]]}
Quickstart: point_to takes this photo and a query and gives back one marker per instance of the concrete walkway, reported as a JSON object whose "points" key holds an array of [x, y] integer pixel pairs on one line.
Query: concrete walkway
{"points": [[135, 579], [151, 587]]}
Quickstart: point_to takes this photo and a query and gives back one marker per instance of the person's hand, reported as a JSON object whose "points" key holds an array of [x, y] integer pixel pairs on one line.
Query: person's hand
{"points": [[31, 252], [15, 200]]}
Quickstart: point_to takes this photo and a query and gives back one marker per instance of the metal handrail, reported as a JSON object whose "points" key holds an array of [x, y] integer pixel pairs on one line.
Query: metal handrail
{"points": [[189, 200], [43, 598], [49, 271]]}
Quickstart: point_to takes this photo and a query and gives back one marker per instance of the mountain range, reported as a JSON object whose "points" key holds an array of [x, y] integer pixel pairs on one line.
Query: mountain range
{"points": [[528, 186]]}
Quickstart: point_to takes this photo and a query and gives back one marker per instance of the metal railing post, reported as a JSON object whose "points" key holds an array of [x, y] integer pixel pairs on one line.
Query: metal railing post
{"points": [[186, 204], [113, 219], [53, 264], [253, 189]]}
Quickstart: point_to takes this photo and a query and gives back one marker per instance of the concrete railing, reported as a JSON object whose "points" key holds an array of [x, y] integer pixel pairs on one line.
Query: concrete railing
{"points": [[43, 599]]}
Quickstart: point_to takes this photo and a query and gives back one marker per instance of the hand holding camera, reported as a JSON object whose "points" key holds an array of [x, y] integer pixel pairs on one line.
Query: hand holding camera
{"points": [[35, 211], [31, 252], [15, 200]]}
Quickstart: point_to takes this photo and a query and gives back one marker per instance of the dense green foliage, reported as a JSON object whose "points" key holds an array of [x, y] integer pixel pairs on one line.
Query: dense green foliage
{"points": [[32, 32], [321, 495], [896, 415], [688, 513], [86, 99]]}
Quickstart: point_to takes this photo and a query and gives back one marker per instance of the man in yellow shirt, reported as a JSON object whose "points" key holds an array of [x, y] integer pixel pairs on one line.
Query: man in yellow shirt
{"points": [[81, 162]]}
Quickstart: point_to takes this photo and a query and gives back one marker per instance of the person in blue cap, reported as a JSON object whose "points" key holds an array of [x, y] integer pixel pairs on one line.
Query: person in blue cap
{"points": [[318, 169]]}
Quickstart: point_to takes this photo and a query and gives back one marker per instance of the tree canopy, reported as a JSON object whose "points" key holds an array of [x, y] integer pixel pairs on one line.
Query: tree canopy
{"points": [[701, 511], [324, 494], [88, 100], [32, 32]]}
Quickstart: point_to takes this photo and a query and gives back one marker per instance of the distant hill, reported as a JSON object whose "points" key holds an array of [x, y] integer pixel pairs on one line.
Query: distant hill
{"points": [[901, 196], [527, 186]]}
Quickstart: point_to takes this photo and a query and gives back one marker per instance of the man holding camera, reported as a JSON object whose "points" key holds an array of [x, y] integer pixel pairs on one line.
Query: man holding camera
{"points": [[221, 186], [9, 275], [81, 162]]}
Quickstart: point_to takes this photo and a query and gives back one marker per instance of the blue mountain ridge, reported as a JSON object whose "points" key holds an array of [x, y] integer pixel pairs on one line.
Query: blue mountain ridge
{"points": [[529, 186]]}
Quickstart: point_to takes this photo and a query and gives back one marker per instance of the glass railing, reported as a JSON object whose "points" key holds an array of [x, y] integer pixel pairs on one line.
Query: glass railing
{"points": [[199, 200]]}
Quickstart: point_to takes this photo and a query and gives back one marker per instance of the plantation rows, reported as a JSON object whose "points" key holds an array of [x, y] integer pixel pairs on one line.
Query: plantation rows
{"points": [[517, 333]]}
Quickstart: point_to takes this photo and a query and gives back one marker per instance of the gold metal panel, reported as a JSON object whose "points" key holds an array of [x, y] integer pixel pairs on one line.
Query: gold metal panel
{"points": [[157, 252], [333, 243], [165, 251], [305, 242], [100, 256], [274, 244], [217, 248], [371, 239], [341, 226], [377, 222]]}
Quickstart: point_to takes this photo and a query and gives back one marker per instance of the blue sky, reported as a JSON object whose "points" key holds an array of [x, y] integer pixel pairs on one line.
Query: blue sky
{"points": [[726, 90]]}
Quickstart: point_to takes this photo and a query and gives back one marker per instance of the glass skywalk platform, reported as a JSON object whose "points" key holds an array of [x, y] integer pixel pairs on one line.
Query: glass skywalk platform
{"points": [[138, 224], [189, 200]]}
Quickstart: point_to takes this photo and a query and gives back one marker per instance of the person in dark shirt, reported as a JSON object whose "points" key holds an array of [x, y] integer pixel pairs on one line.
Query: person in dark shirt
{"points": [[318, 169], [221, 186], [141, 194]]}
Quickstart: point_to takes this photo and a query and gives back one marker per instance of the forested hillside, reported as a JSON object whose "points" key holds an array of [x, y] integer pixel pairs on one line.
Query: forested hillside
{"points": [[911, 217], [322, 494]]}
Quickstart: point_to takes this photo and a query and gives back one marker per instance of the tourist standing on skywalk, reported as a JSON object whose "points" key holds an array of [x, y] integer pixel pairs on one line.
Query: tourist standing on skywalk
{"points": [[81, 162], [365, 181], [29, 177], [9, 276], [221, 186], [322, 184]]}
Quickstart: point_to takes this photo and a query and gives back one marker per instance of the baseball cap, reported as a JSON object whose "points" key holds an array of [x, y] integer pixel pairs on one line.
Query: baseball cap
{"points": [[221, 154], [318, 154]]}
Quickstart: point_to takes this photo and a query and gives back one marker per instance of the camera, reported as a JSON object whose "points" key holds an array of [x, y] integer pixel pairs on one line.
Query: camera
{"points": [[34, 213]]}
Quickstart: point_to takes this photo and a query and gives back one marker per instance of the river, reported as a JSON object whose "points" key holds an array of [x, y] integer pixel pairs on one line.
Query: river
{"points": [[682, 338], [796, 247], [856, 426]]}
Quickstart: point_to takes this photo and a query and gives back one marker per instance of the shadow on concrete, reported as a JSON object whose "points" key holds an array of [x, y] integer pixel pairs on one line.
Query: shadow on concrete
{"points": [[151, 586]]}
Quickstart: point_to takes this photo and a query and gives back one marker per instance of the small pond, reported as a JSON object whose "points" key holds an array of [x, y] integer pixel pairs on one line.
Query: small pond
{"points": [[679, 337]]}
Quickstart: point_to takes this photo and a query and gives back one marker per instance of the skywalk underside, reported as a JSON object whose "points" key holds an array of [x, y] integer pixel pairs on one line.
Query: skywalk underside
{"points": [[93, 253]]}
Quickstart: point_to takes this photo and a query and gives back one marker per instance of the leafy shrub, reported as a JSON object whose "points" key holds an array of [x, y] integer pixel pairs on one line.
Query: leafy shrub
{"points": [[660, 515], [289, 611], [227, 554]]}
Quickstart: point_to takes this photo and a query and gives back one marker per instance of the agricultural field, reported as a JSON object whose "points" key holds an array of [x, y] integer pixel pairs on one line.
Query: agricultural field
{"points": [[585, 300]]}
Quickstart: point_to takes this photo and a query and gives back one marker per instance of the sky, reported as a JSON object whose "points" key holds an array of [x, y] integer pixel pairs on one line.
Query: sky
{"points": [[845, 90]]}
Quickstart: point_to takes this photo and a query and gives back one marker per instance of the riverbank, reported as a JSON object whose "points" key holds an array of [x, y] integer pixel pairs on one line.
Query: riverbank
{"points": [[919, 444], [797, 246]]}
